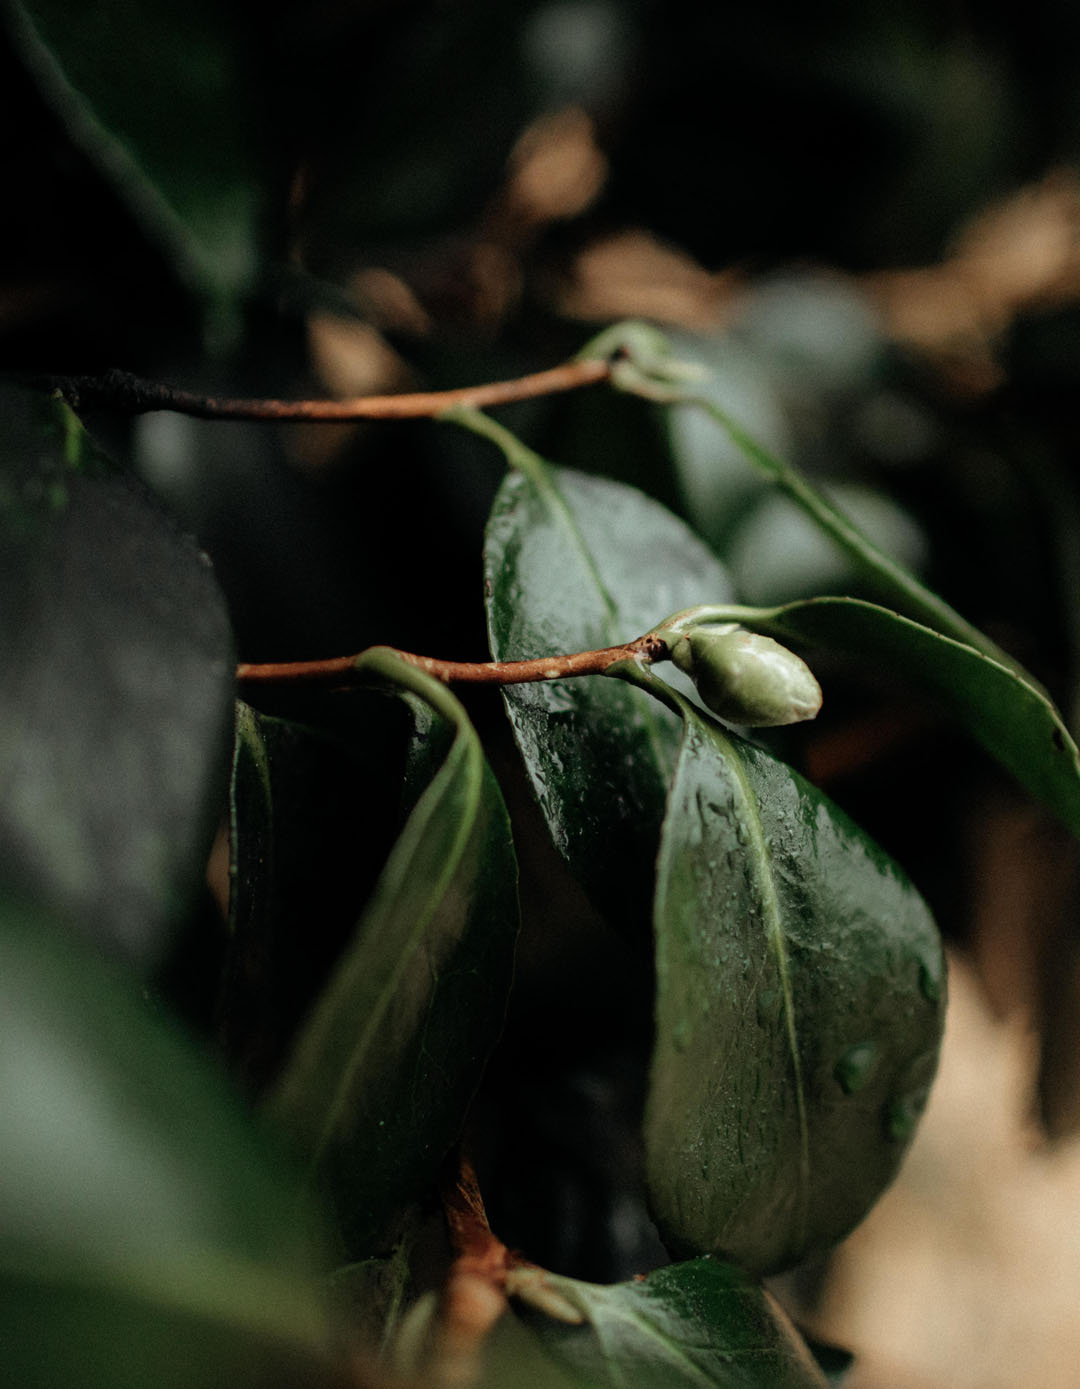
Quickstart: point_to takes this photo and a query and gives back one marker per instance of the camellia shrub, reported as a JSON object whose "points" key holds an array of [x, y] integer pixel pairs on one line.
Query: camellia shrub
{"points": [[287, 927], [157, 1229]]}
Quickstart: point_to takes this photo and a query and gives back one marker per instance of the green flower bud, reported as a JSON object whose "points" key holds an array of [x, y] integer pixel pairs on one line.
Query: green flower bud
{"points": [[747, 678]]}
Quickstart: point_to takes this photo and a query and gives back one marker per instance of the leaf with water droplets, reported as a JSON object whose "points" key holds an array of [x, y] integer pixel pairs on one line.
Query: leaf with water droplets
{"points": [[799, 1011], [574, 562]]}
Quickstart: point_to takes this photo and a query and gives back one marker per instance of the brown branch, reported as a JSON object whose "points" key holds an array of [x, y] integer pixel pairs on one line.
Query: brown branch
{"points": [[474, 1294], [341, 670], [471, 1237], [120, 390]]}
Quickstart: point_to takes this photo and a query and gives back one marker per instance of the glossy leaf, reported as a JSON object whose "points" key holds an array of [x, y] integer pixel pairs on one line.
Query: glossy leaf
{"points": [[800, 997], [1012, 718], [116, 690], [155, 93], [697, 1324], [573, 562], [147, 1234], [382, 1073]]}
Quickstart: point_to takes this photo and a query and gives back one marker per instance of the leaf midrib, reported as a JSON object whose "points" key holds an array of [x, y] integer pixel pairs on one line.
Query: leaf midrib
{"points": [[459, 753], [772, 913]]}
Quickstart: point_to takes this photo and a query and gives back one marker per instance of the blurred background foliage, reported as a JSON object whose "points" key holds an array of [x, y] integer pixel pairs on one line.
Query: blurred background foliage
{"points": [[866, 219]]}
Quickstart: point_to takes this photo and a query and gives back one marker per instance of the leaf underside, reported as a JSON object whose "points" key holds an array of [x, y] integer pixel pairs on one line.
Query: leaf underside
{"points": [[383, 1071], [1013, 720]]}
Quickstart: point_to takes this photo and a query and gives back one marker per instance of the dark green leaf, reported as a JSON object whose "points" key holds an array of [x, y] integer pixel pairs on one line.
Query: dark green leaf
{"points": [[383, 1071], [697, 1324], [1014, 720], [306, 850], [146, 1234], [800, 996], [574, 562], [155, 92], [116, 690]]}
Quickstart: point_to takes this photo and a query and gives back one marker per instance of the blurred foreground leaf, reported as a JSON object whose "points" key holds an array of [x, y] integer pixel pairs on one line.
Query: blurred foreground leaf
{"points": [[146, 1236], [116, 689]]}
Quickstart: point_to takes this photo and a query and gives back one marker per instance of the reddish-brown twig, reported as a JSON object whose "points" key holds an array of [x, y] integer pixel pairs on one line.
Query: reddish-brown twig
{"points": [[341, 670], [120, 390]]}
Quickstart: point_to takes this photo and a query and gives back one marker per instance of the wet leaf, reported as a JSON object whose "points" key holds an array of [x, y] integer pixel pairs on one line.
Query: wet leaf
{"points": [[157, 95], [147, 1233], [574, 562], [382, 1073], [116, 690], [701, 1323], [800, 996]]}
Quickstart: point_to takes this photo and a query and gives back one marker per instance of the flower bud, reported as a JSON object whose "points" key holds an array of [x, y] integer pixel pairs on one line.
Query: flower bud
{"points": [[747, 678]]}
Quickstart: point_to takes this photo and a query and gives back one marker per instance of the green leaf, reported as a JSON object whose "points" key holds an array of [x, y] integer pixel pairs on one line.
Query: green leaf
{"points": [[155, 91], [147, 1233], [306, 851], [800, 984], [1009, 715], [573, 562], [698, 1324], [383, 1071], [116, 690]]}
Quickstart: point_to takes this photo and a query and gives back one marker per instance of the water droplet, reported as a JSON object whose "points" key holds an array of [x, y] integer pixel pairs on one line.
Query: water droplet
{"points": [[856, 1067], [929, 982], [902, 1115]]}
